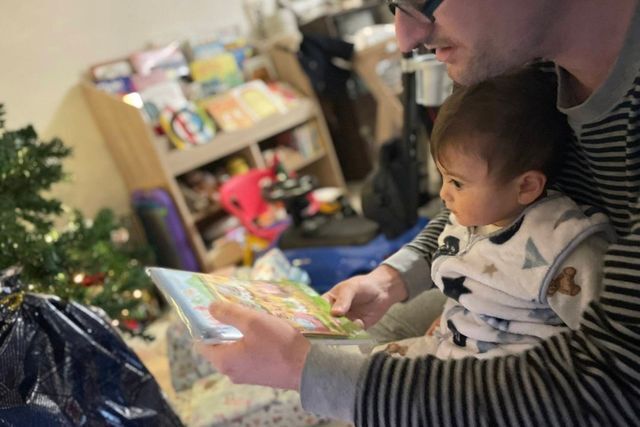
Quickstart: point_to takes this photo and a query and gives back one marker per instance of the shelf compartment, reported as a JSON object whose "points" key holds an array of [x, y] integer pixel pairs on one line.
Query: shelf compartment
{"points": [[226, 143], [212, 209]]}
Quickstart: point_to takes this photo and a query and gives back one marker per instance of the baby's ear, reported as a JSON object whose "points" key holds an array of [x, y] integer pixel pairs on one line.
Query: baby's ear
{"points": [[531, 185]]}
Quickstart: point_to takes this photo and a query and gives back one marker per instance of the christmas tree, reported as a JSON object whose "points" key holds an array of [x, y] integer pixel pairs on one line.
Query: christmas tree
{"points": [[89, 261]]}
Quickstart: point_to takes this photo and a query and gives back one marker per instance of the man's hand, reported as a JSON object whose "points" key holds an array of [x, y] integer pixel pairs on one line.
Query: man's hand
{"points": [[271, 352], [367, 297]]}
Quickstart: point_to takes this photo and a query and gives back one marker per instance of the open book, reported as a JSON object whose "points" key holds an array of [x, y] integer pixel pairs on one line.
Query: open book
{"points": [[191, 293]]}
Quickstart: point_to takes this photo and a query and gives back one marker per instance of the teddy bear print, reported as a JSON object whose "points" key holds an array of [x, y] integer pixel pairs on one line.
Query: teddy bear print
{"points": [[564, 283], [450, 247], [395, 348]]}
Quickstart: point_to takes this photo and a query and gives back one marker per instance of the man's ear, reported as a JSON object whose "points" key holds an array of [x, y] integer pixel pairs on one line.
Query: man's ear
{"points": [[531, 185]]}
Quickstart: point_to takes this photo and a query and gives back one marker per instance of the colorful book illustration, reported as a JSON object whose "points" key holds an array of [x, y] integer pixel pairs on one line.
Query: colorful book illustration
{"points": [[256, 98], [228, 113], [191, 293], [221, 68]]}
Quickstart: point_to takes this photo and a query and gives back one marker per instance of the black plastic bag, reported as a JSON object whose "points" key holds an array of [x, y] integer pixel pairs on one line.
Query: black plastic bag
{"points": [[62, 363]]}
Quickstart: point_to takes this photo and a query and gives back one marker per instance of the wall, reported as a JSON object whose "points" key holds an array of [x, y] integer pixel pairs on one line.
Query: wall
{"points": [[47, 46]]}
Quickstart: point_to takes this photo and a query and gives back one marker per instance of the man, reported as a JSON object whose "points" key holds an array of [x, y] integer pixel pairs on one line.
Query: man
{"points": [[586, 377]]}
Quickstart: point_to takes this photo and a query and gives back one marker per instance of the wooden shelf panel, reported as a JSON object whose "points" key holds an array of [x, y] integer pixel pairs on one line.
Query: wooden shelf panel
{"points": [[226, 143]]}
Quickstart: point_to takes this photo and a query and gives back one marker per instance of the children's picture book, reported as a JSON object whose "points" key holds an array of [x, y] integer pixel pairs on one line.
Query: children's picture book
{"points": [[256, 98], [221, 68], [228, 113], [192, 293]]}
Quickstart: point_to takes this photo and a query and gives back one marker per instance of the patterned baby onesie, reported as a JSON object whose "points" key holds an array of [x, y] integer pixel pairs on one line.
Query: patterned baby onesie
{"points": [[517, 285]]}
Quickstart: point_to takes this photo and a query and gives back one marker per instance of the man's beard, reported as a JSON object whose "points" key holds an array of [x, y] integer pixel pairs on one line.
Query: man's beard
{"points": [[479, 68], [486, 64]]}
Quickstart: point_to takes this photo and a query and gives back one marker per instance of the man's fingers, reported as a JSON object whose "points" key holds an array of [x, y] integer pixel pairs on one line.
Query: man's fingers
{"points": [[222, 356], [329, 297], [233, 314], [342, 297]]}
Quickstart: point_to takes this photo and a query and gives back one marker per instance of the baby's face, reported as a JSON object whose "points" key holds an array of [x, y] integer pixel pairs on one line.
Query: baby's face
{"points": [[472, 194]]}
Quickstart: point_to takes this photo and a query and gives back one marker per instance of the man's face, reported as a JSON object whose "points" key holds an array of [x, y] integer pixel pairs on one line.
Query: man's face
{"points": [[478, 39]]}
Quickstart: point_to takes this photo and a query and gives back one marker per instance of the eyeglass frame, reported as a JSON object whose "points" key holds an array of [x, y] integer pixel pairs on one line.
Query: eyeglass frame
{"points": [[427, 9]]}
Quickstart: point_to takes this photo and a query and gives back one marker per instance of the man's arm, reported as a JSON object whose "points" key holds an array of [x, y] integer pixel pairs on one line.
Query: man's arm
{"points": [[571, 379], [590, 376], [402, 276]]}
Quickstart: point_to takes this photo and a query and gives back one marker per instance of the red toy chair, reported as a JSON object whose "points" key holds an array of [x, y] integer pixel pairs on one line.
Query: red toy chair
{"points": [[241, 196]]}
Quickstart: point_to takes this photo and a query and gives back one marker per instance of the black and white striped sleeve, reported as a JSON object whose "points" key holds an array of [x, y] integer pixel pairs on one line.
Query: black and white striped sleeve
{"points": [[586, 377], [413, 261]]}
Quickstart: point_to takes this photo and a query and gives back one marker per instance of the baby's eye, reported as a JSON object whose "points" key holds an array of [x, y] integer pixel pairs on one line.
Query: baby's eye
{"points": [[455, 183]]}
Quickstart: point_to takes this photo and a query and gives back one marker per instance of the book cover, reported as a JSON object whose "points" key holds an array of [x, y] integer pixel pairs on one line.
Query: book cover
{"points": [[192, 293], [256, 98], [222, 68], [228, 113]]}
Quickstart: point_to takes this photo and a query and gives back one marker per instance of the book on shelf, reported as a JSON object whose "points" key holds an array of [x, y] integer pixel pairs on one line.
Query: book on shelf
{"points": [[257, 99], [221, 68], [192, 293], [228, 113]]}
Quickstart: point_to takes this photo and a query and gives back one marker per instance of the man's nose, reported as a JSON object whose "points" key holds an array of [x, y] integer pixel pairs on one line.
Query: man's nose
{"points": [[411, 31]]}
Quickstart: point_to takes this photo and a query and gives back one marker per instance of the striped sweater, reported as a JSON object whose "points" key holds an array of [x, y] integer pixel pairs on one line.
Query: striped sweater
{"points": [[586, 377]]}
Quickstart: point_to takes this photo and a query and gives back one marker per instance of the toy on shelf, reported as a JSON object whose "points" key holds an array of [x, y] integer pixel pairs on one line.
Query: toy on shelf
{"points": [[187, 126]]}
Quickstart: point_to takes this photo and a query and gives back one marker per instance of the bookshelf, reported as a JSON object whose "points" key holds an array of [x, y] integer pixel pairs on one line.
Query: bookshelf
{"points": [[147, 161]]}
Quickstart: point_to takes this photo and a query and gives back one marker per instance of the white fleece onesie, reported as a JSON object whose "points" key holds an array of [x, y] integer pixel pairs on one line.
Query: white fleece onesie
{"points": [[513, 287]]}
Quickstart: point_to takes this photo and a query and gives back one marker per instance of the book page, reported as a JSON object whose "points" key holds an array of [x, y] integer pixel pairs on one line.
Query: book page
{"points": [[295, 302]]}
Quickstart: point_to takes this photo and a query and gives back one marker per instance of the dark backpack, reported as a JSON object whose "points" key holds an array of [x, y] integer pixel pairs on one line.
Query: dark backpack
{"points": [[386, 194]]}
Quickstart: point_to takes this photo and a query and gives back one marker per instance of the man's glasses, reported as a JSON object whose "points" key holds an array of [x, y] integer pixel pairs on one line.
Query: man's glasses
{"points": [[415, 8]]}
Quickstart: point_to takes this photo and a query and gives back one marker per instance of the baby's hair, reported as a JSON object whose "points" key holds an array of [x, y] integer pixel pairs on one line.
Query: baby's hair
{"points": [[510, 121]]}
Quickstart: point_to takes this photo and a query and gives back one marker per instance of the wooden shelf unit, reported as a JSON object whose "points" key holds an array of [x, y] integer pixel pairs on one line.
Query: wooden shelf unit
{"points": [[147, 161]]}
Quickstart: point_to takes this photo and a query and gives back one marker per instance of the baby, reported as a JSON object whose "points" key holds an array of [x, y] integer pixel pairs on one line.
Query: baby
{"points": [[517, 260]]}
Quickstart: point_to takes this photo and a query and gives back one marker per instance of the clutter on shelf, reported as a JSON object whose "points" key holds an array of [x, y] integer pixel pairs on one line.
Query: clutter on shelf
{"points": [[188, 91], [178, 137]]}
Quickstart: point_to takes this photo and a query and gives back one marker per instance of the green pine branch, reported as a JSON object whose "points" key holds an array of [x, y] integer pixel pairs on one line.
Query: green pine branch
{"points": [[82, 262]]}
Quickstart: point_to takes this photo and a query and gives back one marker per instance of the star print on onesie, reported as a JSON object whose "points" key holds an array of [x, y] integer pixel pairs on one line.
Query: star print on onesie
{"points": [[454, 287]]}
